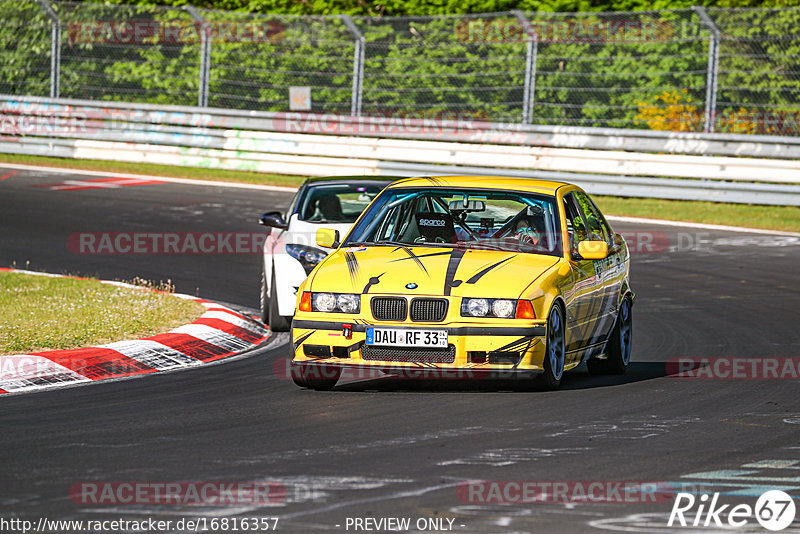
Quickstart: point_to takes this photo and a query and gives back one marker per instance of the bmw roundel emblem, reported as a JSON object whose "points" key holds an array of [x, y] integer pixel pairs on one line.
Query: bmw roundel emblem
{"points": [[411, 285]]}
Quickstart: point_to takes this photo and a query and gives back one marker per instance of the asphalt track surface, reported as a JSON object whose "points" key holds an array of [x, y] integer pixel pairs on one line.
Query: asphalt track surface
{"points": [[391, 448]]}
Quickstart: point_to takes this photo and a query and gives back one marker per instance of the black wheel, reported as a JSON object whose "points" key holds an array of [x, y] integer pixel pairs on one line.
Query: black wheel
{"points": [[318, 377], [264, 296], [554, 349], [276, 322], [618, 347]]}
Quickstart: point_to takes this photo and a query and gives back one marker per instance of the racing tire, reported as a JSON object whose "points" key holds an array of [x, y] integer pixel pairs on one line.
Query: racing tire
{"points": [[319, 378], [618, 346], [264, 296], [555, 347], [276, 322]]}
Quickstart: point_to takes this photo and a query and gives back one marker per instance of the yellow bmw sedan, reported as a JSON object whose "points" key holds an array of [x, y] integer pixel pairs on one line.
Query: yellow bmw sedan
{"points": [[467, 276]]}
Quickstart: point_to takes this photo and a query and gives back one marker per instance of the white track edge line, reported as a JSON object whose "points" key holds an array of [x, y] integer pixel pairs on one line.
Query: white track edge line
{"points": [[111, 174], [688, 224]]}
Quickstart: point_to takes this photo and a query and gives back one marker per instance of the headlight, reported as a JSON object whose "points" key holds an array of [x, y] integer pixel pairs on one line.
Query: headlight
{"points": [[335, 302], [324, 302], [308, 257], [348, 303], [501, 308], [477, 307]]}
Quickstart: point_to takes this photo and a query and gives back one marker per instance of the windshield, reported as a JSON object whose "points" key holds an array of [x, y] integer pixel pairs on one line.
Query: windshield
{"points": [[473, 218], [339, 203]]}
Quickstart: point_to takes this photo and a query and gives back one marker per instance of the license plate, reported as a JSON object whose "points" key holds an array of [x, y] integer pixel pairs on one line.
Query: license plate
{"points": [[404, 337]]}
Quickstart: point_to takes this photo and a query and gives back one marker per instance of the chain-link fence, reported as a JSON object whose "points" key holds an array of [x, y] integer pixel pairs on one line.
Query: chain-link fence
{"points": [[25, 48], [730, 70]]}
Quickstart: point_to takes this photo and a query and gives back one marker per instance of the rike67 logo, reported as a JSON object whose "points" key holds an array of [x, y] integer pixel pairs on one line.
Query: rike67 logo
{"points": [[774, 510]]}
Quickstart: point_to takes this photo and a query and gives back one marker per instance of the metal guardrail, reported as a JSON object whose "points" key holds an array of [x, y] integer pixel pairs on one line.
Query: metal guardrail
{"points": [[275, 143], [99, 115]]}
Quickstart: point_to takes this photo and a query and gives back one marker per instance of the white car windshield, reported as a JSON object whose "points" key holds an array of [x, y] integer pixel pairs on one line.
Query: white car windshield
{"points": [[474, 218], [339, 203]]}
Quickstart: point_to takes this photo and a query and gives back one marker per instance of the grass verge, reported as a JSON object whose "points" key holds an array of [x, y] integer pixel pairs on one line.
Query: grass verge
{"points": [[783, 218], [46, 313]]}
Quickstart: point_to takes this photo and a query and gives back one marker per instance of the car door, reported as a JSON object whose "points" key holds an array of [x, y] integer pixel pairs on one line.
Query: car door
{"points": [[584, 292], [606, 269], [614, 270]]}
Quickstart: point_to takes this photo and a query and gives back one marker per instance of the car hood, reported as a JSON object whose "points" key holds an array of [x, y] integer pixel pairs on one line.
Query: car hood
{"points": [[429, 271]]}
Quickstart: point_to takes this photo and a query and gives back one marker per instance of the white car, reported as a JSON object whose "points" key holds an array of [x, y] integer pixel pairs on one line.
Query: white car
{"points": [[290, 251]]}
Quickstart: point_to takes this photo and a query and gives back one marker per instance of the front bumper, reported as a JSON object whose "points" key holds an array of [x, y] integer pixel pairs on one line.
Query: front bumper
{"points": [[480, 349]]}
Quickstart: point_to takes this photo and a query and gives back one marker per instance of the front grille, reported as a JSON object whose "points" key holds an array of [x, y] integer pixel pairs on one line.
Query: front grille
{"points": [[389, 308], [431, 310], [408, 354]]}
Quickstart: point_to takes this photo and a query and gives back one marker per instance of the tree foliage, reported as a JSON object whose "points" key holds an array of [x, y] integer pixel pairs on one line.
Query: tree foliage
{"points": [[640, 69], [451, 7]]}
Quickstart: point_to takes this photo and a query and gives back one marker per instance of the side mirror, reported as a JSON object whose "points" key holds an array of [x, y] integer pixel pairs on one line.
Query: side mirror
{"points": [[273, 219], [327, 238], [593, 250]]}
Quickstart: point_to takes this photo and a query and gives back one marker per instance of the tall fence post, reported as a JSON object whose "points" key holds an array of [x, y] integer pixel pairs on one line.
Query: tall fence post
{"points": [[358, 65], [55, 49], [205, 56], [531, 53], [713, 68]]}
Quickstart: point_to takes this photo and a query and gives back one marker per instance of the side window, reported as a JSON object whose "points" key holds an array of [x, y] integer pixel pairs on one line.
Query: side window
{"points": [[576, 226], [603, 224], [594, 226]]}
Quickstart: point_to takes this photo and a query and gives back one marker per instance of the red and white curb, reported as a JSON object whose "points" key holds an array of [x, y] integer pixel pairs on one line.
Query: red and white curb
{"points": [[219, 333]]}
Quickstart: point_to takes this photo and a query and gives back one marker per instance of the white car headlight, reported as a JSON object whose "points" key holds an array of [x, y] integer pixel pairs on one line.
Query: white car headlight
{"points": [[335, 302], [348, 303], [324, 302], [477, 307], [503, 308], [308, 257], [481, 307]]}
